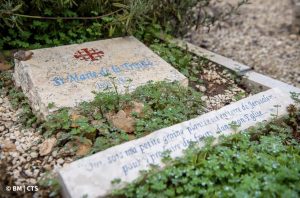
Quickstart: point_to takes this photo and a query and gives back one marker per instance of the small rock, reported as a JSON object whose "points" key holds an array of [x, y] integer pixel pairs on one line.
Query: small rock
{"points": [[58, 135], [34, 148], [8, 124], [36, 172], [122, 121], [138, 107], [218, 82], [83, 149], [50, 159], [293, 36], [47, 167], [15, 154], [8, 146], [54, 153], [202, 88], [97, 122], [47, 146], [34, 154], [32, 181], [60, 161], [28, 173], [22, 159], [204, 98], [2, 128], [66, 165], [16, 173]]}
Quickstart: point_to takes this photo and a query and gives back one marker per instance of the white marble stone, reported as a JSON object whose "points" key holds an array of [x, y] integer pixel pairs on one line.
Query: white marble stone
{"points": [[92, 175], [67, 75]]}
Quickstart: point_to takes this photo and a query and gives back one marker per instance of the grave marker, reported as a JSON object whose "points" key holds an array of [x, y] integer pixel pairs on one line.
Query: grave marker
{"points": [[67, 75], [92, 176]]}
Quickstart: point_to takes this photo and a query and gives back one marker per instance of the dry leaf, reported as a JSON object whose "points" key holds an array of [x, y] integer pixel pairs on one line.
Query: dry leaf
{"points": [[47, 146], [122, 121], [8, 146], [136, 107], [83, 149], [74, 117]]}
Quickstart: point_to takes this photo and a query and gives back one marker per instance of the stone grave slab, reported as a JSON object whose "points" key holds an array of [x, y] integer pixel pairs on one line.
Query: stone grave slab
{"points": [[67, 75], [91, 176]]}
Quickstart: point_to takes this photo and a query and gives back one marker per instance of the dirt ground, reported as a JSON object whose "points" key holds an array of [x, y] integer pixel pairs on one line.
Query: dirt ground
{"points": [[259, 37]]}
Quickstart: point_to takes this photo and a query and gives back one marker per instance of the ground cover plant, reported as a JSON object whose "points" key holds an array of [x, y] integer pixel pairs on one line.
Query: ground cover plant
{"points": [[93, 126], [148, 108], [161, 105], [260, 162]]}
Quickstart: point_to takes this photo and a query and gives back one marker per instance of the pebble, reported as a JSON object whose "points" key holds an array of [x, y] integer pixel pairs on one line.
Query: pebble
{"points": [[60, 161], [54, 153], [28, 173], [34, 154], [32, 181], [202, 88], [50, 159], [36, 172], [47, 167], [23, 148]]}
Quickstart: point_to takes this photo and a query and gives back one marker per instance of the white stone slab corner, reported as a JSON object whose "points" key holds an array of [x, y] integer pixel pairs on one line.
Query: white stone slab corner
{"points": [[92, 176], [256, 80], [67, 75]]}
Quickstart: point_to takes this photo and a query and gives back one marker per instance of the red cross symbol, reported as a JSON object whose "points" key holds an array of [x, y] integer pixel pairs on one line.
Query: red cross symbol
{"points": [[88, 54]]}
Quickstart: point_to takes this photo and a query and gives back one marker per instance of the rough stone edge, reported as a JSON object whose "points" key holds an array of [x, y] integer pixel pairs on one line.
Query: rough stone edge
{"points": [[21, 76]]}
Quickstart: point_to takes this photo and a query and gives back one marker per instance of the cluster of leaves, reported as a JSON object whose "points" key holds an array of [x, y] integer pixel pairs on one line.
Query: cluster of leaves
{"points": [[165, 104], [261, 162], [37, 23]]}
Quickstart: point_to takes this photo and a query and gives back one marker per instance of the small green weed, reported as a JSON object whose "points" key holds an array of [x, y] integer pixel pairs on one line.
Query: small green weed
{"points": [[165, 104]]}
